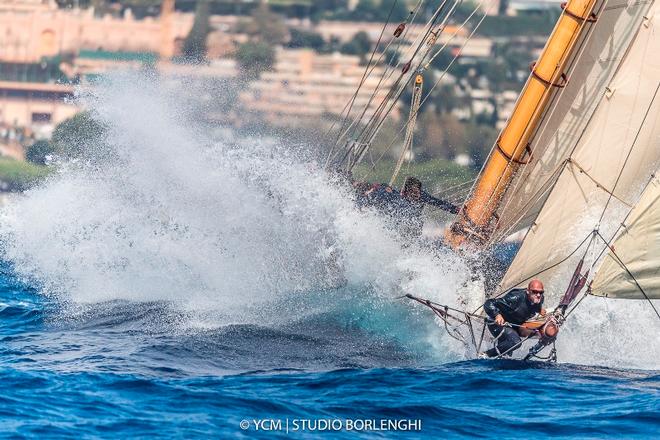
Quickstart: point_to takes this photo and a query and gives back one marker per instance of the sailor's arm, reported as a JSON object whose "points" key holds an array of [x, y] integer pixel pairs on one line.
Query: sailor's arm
{"points": [[442, 204], [493, 312], [509, 301]]}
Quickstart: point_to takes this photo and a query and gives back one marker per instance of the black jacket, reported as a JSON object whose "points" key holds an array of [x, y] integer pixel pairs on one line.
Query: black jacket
{"points": [[428, 199], [405, 214], [514, 307]]}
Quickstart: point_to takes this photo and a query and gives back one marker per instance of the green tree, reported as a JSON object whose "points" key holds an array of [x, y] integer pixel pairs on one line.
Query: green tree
{"points": [[254, 57], [194, 47], [444, 98], [479, 139], [75, 136], [359, 45], [16, 175], [300, 38], [38, 151], [441, 135], [267, 26], [368, 10], [321, 8]]}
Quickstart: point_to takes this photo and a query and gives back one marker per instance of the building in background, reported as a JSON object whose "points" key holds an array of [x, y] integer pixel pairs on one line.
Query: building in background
{"points": [[305, 86]]}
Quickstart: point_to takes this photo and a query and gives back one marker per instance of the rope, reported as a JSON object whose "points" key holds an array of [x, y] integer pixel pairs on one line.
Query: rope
{"points": [[551, 108], [515, 347], [631, 275], [408, 142], [447, 190], [616, 232], [377, 116], [374, 132], [350, 103], [531, 202], [386, 75], [610, 193], [429, 92], [628, 157], [369, 132], [567, 314], [442, 312], [500, 293]]}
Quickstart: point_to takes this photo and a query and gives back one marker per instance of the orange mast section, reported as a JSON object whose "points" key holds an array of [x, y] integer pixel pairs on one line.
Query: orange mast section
{"points": [[474, 224]]}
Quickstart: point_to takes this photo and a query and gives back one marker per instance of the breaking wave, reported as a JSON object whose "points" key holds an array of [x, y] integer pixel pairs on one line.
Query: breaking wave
{"points": [[232, 231]]}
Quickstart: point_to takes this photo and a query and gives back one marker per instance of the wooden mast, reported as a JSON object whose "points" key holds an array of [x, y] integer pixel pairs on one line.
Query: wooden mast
{"points": [[512, 148]]}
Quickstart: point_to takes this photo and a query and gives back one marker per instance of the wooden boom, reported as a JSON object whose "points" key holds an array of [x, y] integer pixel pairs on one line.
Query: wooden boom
{"points": [[475, 222]]}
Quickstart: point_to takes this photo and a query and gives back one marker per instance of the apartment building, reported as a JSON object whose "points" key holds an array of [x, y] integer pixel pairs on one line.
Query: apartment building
{"points": [[304, 86]]}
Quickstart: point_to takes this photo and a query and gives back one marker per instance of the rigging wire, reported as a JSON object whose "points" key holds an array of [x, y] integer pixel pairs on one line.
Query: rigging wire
{"points": [[377, 114], [530, 130], [420, 69], [367, 131], [430, 91], [451, 188], [408, 141], [632, 146], [386, 75], [582, 133], [399, 39], [553, 106], [534, 275], [623, 265], [350, 103], [534, 198]]}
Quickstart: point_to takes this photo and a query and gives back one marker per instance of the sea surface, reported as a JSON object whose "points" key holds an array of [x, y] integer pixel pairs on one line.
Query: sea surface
{"points": [[110, 372], [173, 282]]}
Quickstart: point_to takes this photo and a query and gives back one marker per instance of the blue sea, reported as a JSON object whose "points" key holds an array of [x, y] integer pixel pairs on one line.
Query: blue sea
{"points": [[175, 283], [108, 372]]}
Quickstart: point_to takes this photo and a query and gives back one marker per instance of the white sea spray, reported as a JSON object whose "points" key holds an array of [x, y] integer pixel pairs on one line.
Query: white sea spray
{"points": [[163, 211], [247, 231]]}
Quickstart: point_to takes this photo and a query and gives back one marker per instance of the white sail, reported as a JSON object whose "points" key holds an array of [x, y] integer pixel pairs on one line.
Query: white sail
{"points": [[598, 56], [638, 248], [616, 153]]}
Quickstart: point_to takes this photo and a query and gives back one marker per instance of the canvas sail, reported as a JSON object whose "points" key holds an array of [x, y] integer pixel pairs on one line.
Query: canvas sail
{"points": [[615, 153], [638, 248], [591, 70]]}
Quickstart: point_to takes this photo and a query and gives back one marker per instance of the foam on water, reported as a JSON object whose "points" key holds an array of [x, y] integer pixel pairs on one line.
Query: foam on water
{"points": [[163, 212], [238, 233]]}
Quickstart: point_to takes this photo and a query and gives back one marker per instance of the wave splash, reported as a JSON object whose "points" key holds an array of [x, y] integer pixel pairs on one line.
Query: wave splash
{"points": [[164, 211], [243, 231]]}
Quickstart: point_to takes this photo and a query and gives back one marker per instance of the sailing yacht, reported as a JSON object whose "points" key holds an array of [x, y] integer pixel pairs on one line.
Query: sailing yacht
{"points": [[575, 167]]}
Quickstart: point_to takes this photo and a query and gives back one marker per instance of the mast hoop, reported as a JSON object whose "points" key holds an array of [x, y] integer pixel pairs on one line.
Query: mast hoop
{"points": [[592, 18], [510, 158], [559, 85]]}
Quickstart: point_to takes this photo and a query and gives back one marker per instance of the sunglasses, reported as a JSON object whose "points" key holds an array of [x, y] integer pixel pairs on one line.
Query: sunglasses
{"points": [[536, 292]]}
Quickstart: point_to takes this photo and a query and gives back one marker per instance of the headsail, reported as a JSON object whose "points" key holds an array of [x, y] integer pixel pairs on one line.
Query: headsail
{"points": [[638, 248], [603, 176]]}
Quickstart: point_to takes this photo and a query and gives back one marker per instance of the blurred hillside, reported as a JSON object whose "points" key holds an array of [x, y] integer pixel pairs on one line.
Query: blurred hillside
{"points": [[280, 67]]}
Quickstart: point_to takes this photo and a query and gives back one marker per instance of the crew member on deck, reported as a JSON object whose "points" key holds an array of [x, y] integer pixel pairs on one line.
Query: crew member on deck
{"points": [[404, 208], [516, 307]]}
